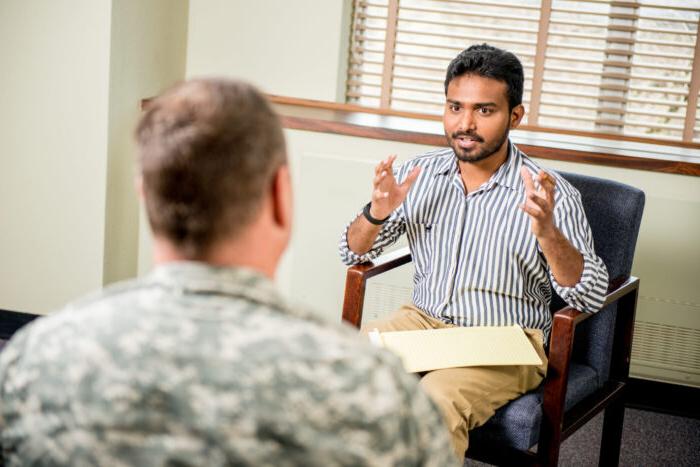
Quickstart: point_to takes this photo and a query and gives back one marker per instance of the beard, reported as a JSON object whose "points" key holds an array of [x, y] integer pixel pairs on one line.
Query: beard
{"points": [[478, 153]]}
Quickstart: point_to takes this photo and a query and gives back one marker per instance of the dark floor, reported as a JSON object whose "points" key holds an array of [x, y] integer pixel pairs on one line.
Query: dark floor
{"points": [[648, 439]]}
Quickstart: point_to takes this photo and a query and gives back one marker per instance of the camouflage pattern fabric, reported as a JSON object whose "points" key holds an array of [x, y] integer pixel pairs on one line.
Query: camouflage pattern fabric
{"points": [[196, 365]]}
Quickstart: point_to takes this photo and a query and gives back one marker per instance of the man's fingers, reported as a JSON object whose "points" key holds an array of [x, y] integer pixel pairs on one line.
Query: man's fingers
{"points": [[527, 179], [532, 209], [383, 164], [380, 167], [378, 195], [378, 179], [411, 178], [389, 162], [547, 183], [539, 201]]}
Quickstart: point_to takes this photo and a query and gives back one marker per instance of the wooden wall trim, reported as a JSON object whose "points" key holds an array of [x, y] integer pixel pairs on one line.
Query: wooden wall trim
{"points": [[316, 104], [350, 120]]}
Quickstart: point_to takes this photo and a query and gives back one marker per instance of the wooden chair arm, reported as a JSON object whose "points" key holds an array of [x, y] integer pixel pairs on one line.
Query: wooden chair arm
{"points": [[356, 279], [564, 325], [561, 346]]}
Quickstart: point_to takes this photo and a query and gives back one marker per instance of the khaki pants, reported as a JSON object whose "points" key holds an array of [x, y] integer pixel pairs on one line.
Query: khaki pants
{"points": [[467, 396]]}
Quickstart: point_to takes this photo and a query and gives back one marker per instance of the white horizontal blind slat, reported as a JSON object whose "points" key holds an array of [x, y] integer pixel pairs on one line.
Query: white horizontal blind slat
{"points": [[675, 52], [443, 29], [605, 66], [365, 67]]}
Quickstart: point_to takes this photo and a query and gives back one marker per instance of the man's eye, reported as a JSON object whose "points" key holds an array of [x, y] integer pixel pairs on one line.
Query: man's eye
{"points": [[485, 110], [454, 107]]}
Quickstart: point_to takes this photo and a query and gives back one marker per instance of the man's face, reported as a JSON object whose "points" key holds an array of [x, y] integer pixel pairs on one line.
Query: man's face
{"points": [[476, 118]]}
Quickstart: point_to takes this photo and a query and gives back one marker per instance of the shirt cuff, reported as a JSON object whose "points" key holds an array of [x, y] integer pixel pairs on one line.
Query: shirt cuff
{"points": [[349, 257], [588, 294]]}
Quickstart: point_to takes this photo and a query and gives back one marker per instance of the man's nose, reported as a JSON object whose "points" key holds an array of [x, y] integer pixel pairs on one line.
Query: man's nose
{"points": [[467, 122]]}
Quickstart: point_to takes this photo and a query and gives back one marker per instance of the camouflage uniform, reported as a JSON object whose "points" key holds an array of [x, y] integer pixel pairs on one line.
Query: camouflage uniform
{"points": [[196, 365]]}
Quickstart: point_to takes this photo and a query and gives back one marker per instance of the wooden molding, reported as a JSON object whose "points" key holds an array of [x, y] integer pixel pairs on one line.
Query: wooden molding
{"points": [[354, 121], [391, 125], [316, 104]]}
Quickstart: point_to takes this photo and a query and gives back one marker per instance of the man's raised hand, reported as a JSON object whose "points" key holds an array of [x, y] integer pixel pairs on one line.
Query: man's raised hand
{"points": [[539, 203], [387, 193]]}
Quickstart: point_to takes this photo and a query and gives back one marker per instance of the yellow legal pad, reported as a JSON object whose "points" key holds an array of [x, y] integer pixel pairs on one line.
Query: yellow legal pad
{"points": [[432, 349]]}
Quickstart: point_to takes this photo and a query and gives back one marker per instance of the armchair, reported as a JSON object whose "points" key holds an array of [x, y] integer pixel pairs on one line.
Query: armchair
{"points": [[589, 354]]}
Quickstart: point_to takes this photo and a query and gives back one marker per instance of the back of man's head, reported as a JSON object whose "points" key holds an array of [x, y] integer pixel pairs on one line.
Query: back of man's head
{"points": [[208, 151]]}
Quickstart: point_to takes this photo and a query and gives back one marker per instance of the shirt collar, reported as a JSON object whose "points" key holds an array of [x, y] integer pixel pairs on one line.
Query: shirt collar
{"points": [[191, 277], [447, 165], [508, 174]]}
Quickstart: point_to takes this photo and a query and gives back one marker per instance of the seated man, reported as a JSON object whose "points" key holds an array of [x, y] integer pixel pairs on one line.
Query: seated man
{"points": [[486, 238], [203, 362]]}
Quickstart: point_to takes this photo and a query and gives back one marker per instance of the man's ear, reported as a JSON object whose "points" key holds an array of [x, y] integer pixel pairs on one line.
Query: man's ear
{"points": [[282, 197], [516, 115]]}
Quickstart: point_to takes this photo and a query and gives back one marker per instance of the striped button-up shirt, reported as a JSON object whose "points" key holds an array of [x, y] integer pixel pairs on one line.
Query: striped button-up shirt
{"points": [[476, 260]]}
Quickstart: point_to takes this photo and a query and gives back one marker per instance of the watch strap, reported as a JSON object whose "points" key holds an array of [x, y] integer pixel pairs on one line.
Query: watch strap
{"points": [[368, 216]]}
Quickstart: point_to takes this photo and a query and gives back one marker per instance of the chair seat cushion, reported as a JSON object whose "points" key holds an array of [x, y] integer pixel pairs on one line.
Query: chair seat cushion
{"points": [[517, 424]]}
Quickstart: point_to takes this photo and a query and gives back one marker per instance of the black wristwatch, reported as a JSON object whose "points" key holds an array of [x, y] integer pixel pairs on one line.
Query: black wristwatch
{"points": [[368, 216]]}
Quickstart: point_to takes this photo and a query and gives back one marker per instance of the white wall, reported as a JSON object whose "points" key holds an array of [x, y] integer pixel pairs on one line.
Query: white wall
{"points": [[292, 48], [54, 85], [70, 84], [147, 53]]}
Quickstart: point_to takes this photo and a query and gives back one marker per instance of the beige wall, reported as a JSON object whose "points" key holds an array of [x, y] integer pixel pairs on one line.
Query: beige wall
{"points": [[70, 85], [147, 53], [54, 85], [292, 48]]}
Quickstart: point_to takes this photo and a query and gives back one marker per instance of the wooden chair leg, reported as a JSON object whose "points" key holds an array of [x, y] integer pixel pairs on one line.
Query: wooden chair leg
{"points": [[612, 434], [550, 457]]}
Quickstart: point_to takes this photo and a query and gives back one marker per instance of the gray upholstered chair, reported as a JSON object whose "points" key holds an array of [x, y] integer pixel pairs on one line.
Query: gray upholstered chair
{"points": [[588, 354]]}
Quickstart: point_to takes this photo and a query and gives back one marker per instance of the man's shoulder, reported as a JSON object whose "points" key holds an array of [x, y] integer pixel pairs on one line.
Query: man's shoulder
{"points": [[131, 321], [46, 339]]}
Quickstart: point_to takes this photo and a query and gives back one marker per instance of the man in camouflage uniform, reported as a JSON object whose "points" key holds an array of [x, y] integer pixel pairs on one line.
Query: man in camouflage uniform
{"points": [[203, 362]]}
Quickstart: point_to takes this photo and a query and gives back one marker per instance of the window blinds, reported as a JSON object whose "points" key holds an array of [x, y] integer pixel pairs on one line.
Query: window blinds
{"points": [[601, 66]]}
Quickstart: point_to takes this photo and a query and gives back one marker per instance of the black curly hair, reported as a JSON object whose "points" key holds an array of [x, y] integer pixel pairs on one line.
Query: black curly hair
{"points": [[490, 62]]}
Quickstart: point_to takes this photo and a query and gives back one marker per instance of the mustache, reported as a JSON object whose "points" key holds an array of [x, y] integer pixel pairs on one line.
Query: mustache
{"points": [[467, 134]]}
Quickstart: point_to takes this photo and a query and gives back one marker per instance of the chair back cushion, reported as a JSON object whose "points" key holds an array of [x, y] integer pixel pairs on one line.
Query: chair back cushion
{"points": [[614, 211]]}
